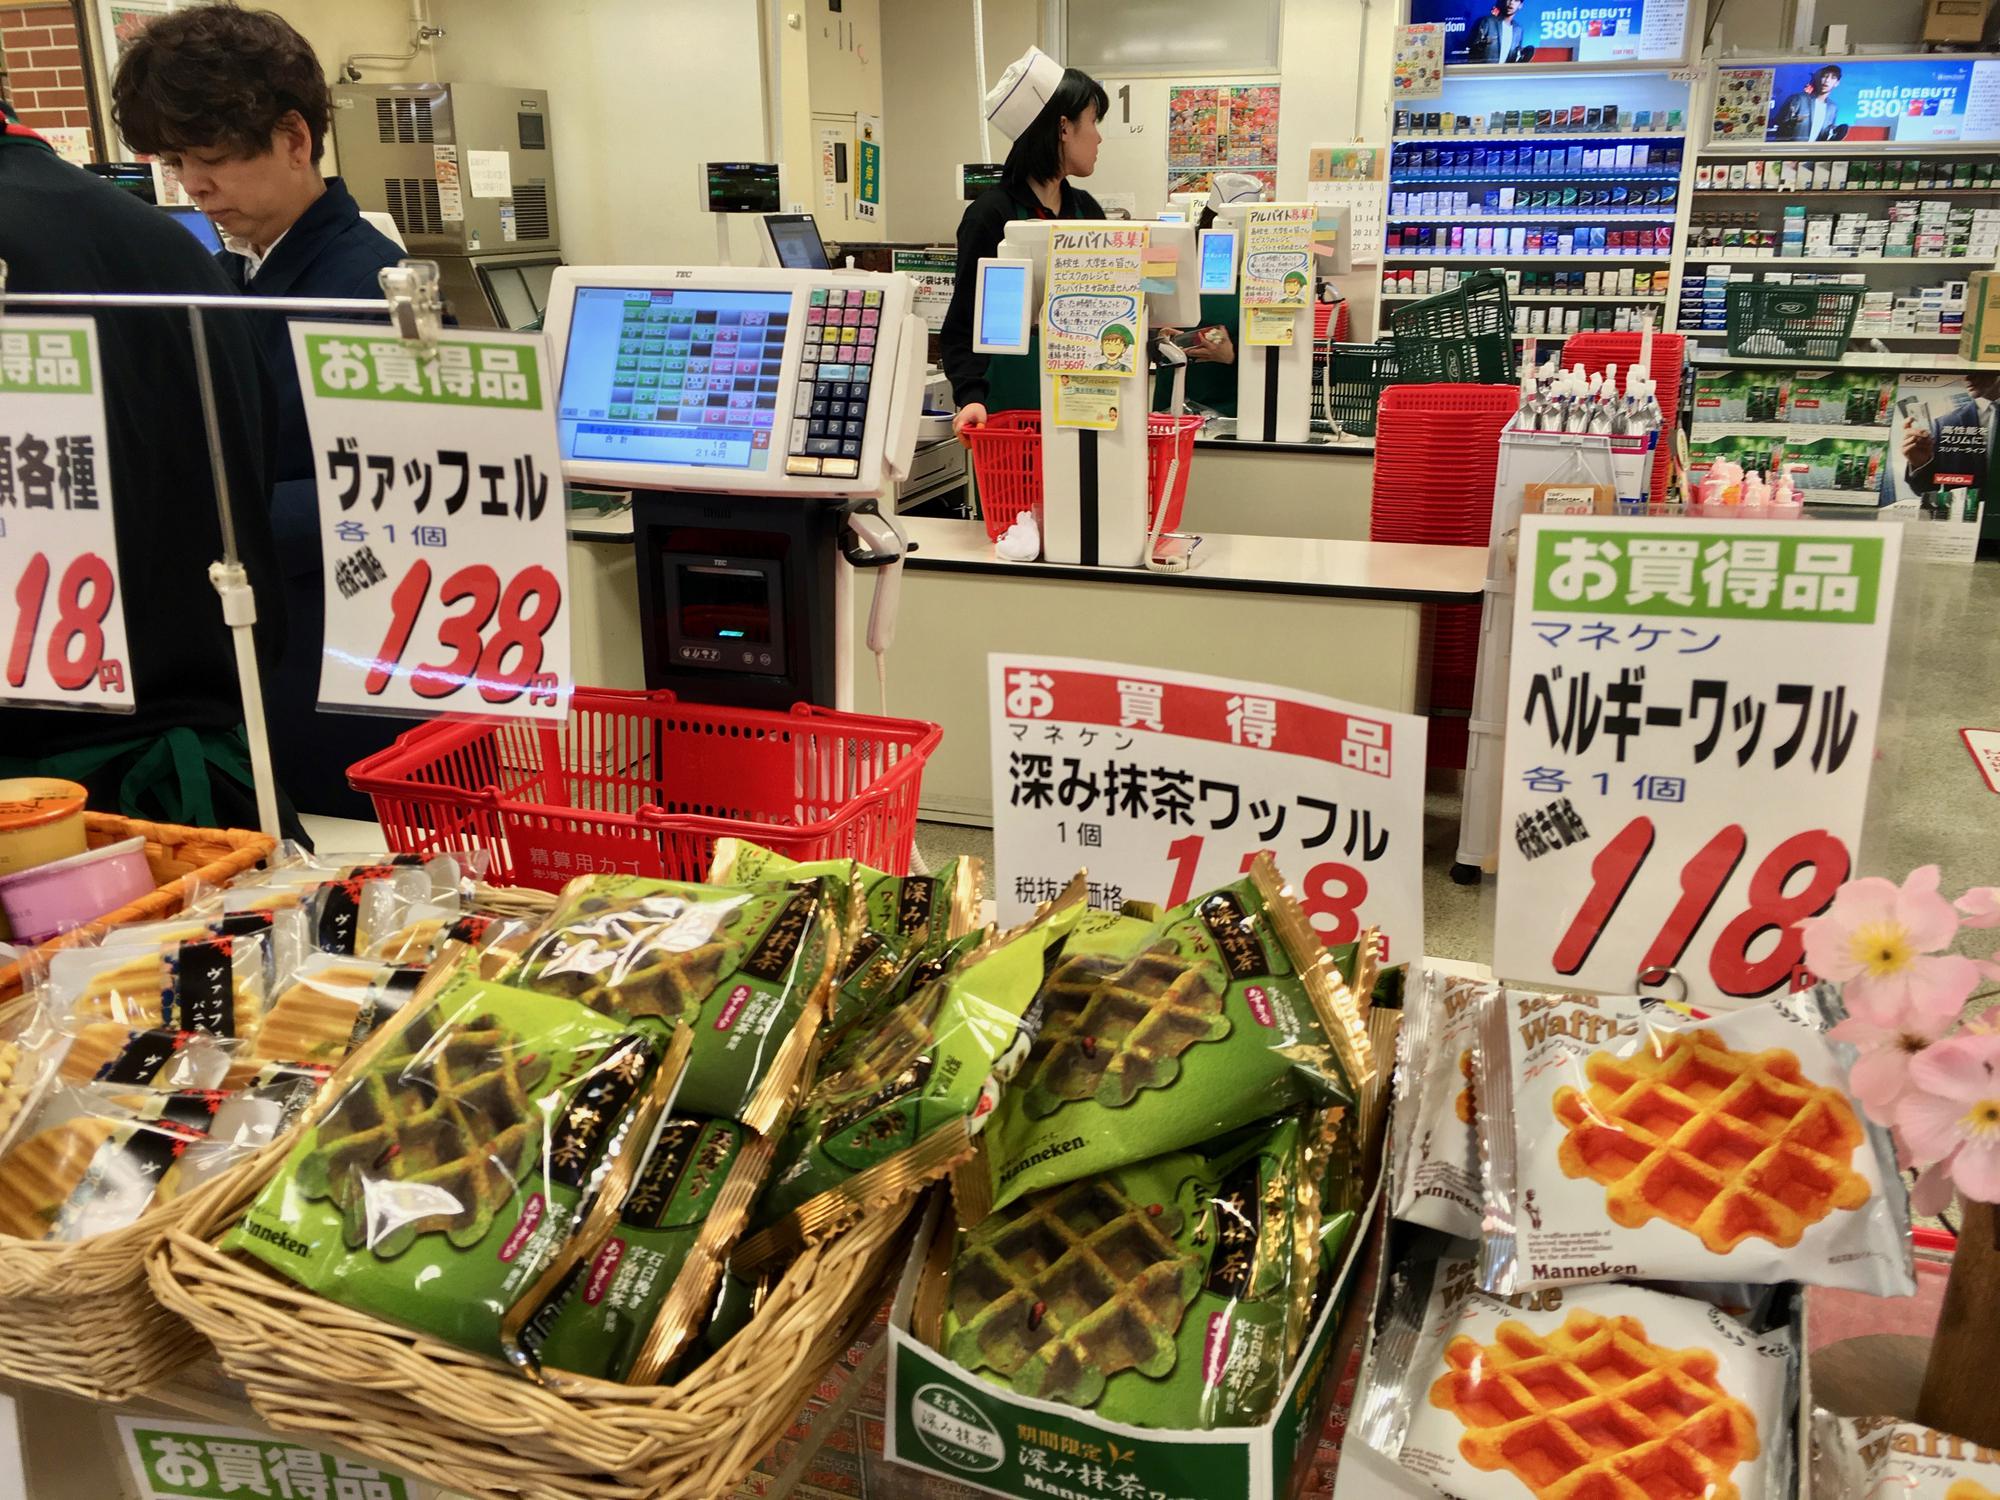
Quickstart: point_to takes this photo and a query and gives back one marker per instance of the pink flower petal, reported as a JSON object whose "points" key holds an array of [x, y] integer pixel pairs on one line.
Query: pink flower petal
{"points": [[1933, 1192], [1960, 1070], [1980, 906], [1828, 951], [1856, 1031], [1976, 1170], [1940, 986], [1930, 1124], [1924, 914], [1878, 1079], [1989, 968], [1870, 899]]}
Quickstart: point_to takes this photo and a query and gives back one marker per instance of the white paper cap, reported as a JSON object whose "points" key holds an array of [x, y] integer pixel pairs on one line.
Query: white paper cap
{"points": [[1029, 83], [1235, 187]]}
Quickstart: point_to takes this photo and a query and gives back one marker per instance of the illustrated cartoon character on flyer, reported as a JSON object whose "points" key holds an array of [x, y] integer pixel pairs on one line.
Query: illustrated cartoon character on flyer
{"points": [[1112, 344]]}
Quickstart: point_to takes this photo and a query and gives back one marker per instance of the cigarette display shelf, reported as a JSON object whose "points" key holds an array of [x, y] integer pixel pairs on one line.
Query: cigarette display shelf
{"points": [[1420, 178], [1843, 192], [1543, 138], [1656, 214], [1487, 258], [1513, 297]]}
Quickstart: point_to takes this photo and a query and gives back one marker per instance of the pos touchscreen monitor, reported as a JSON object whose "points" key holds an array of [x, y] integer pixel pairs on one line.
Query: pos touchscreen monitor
{"points": [[1001, 306], [795, 241], [1218, 262]]}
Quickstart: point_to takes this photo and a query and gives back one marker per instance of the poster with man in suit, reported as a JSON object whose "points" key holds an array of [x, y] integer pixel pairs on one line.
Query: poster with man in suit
{"points": [[1941, 457]]}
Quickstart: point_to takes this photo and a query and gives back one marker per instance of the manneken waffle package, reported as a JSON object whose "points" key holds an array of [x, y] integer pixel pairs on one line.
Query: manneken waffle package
{"points": [[746, 968], [211, 984], [477, 1148], [1436, 1148], [900, 1105], [1591, 1393], [1231, 1011], [1625, 1141], [1170, 1293], [641, 1297], [905, 918], [1879, 1458]]}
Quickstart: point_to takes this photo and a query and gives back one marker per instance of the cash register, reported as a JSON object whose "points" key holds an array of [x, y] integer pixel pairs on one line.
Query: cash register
{"points": [[757, 415]]}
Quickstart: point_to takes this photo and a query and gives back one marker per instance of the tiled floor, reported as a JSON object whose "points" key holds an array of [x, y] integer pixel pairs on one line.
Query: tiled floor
{"points": [[1927, 801]]}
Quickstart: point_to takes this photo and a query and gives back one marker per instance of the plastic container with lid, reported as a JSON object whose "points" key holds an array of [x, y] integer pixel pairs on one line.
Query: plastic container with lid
{"points": [[66, 893], [41, 819]]}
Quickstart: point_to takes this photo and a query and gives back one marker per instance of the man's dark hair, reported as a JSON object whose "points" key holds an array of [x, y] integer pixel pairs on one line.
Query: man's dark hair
{"points": [[1820, 74], [216, 76], [1037, 155]]}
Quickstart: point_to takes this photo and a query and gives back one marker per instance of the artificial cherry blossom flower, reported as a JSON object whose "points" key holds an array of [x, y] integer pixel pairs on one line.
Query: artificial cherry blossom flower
{"points": [[1878, 940], [1950, 1116]]}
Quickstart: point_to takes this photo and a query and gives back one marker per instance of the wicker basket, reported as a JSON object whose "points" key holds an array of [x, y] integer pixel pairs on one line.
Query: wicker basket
{"points": [[454, 1419], [180, 857]]}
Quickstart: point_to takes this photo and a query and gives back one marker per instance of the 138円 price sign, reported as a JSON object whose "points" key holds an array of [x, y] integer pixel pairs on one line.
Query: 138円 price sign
{"points": [[441, 522], [1165, 785], [1691, 719], [62, 611]]}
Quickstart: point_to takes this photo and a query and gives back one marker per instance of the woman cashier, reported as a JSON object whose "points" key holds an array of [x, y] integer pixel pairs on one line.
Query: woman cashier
{"points": [[1052, 113]]}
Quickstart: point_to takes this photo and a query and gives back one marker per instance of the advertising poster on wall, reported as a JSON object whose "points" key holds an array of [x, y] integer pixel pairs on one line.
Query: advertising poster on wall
{"points": [[1521, 31], [1215, 126], [1941, 461], [1918, 100]]}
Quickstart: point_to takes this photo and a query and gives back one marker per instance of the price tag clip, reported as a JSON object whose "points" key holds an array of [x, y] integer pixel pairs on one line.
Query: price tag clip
{"points": [[415, 307]]}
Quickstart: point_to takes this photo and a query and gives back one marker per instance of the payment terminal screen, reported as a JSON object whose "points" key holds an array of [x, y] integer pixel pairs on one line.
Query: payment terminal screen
{"points": [[673, 376], [1006, 290], [1218, 264]]}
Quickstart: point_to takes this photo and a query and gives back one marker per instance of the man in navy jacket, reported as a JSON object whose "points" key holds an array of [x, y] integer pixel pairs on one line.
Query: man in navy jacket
{"points": [[236, 103]]}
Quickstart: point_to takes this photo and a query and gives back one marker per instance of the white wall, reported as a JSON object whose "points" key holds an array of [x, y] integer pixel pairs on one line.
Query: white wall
{"points": [[931, 105], [640, 93]]}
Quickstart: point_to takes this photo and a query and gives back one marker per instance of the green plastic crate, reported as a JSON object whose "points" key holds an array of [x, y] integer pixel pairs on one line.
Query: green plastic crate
{"points": [[1353, 378], [1771, 320], [1463, 336]]}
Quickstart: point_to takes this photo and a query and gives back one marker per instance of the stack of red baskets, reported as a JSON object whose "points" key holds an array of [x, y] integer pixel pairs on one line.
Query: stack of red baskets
{"points": [[1330, 320], [1437, 449]]}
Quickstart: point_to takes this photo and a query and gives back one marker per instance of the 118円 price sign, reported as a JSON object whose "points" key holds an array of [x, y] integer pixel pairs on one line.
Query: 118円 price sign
{"points": [[1691, 718], [1165, 785], [62, 612], [441, 522]]}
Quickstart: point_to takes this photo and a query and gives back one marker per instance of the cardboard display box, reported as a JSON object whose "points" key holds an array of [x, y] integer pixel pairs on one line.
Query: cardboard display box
{"points": [[1979, 334]]}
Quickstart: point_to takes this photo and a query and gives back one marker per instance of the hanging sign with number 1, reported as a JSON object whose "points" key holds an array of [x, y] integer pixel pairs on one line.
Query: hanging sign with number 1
{"points": [[1691, 717], [62, 613], [441, 522]]}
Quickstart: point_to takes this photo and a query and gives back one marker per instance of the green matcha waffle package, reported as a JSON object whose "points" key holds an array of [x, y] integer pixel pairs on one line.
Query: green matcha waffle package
{"points": [[638, 1301], [746, 968], [1230, 1010], [478, 1145], [905, 918], [1169, 1293], [898, 1106]]}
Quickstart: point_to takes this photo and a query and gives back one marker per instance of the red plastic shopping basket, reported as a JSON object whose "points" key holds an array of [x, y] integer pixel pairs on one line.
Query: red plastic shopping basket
{"points": [[1007, 462], [644, 783]]}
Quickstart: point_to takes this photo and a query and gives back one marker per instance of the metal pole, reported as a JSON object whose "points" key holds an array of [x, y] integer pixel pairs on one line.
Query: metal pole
{"points": [[204, 379]]}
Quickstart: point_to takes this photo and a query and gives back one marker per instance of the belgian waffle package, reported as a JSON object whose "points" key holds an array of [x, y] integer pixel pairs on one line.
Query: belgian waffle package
{"points": [[87, 1162], [476, 1148], [1625, 1141], [899, 1105], [1231, 1011], [214, 983], [1435, 1145], [639, 1300], [746, 968], [905, 918], [1578, 1393], [329, 1006], [1169, 1293], [1880, 1458]]}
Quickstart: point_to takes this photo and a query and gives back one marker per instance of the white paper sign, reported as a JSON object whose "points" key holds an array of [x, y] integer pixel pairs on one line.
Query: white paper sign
{"points": [[173, 1459], [451, 196], [71, 142], [489, 174], [441, 522], [1165, 785], [62, 609], [1691, 718]]}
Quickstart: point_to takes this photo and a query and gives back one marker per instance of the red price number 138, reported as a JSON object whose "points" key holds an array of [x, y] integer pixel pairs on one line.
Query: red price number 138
{"points": [[478, 657], [1702, 880], [84, 596]]}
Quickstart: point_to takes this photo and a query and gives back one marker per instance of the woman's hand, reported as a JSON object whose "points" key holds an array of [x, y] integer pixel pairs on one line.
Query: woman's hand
{"points": [[1214, 345], [972, 414]]}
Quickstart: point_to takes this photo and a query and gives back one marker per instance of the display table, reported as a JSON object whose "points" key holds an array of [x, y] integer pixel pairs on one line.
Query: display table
{"points": [[1344, 618], [1319, 488]]}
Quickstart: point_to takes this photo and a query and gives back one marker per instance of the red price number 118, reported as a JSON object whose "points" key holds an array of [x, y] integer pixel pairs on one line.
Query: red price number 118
{"points": [[84, 597], [1330, 895], [1702, 880], [478, 657]]}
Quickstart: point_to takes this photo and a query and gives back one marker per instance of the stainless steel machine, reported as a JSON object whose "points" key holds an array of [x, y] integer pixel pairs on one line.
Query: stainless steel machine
{"points": [[467, 171]]}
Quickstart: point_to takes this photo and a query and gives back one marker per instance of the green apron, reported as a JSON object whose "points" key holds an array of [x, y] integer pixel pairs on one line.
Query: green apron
{"points": [[1014, 381], [163, 777]]}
